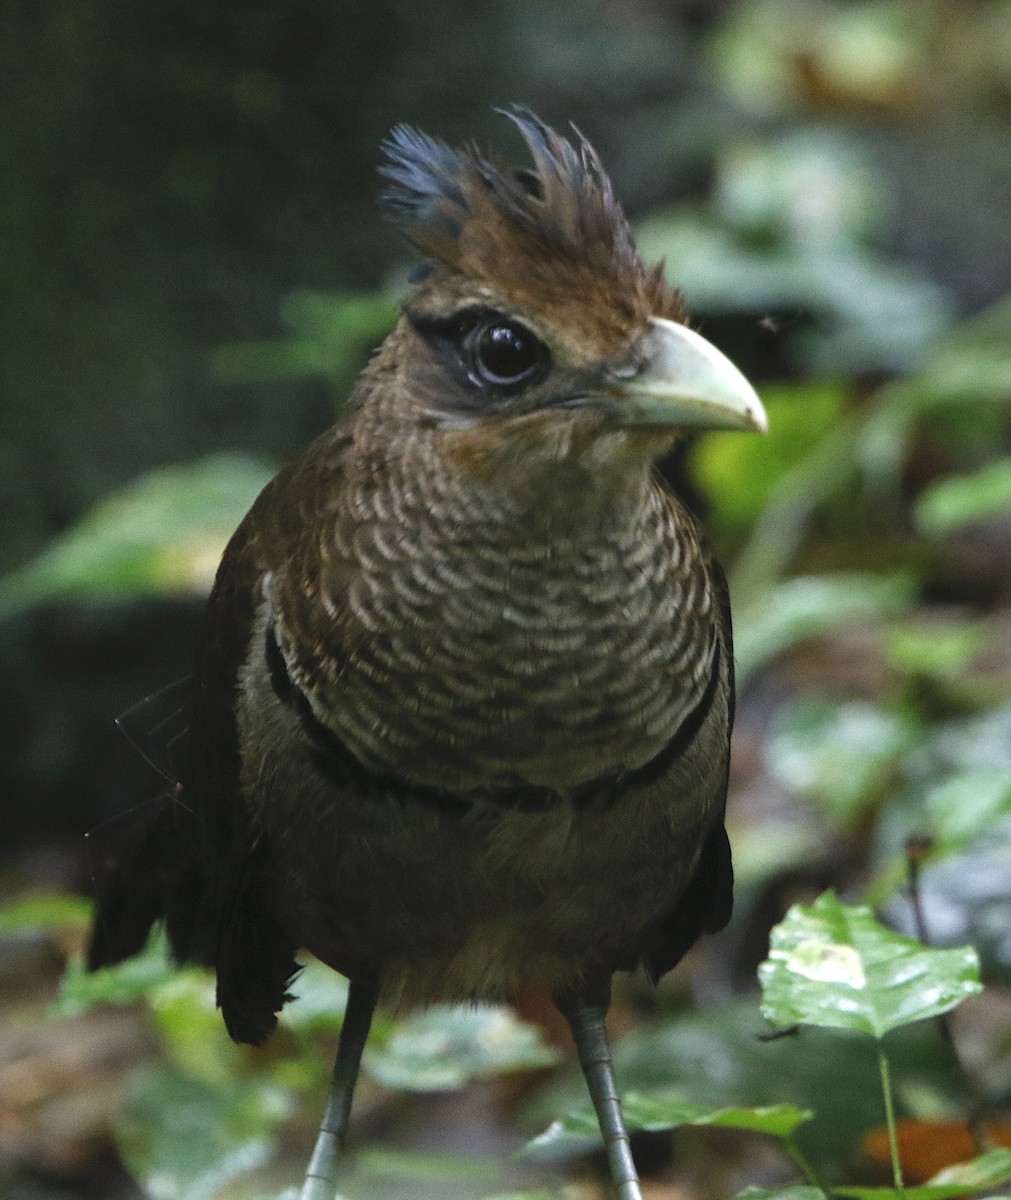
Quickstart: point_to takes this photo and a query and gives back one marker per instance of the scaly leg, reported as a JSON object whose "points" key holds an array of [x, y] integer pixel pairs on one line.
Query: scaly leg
{"points": [[321, 1174], [590, 1035]]}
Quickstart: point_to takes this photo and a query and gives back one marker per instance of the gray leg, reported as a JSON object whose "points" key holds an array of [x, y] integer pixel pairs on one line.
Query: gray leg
{"points": [[321, 1174], [590, 1035]]}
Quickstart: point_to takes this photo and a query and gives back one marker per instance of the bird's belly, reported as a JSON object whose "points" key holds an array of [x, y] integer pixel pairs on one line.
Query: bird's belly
{"points": [[448, 906], [390, 880]]}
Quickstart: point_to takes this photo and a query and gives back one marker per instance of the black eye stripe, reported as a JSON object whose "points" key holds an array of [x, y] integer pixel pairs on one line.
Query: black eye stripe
{"points": [[494, 352]]}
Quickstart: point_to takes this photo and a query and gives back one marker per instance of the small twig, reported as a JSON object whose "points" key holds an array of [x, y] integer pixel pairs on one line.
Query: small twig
{"points": [[774, 1035], [918, 849]]}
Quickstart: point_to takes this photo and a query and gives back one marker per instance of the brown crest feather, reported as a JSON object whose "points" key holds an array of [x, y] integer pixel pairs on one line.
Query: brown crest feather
{"points": [[540, 237]]}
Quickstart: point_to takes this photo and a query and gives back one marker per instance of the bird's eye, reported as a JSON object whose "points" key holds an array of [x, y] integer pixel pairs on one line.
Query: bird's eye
{"points": [[505, 355]]}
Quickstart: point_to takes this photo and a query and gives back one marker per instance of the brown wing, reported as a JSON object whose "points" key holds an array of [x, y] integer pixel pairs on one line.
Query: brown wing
{"points": [[192, 858], [158, 860]]}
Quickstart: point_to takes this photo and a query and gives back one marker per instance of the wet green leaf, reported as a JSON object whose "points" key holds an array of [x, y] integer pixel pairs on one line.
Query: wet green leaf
{"points": [[445, 1046], [658, 1112], [835, 966]]}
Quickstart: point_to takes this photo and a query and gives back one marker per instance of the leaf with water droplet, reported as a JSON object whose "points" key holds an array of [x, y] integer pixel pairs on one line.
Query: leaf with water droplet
{"points": [[835, 966]]}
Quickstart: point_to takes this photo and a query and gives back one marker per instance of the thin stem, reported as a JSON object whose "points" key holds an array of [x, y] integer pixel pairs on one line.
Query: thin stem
{"points": [[893, 1137], [800, 1158]]}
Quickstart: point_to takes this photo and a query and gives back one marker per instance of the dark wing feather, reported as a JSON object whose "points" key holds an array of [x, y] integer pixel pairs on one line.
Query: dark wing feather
{"points": [[190, 857], [707, 904]]}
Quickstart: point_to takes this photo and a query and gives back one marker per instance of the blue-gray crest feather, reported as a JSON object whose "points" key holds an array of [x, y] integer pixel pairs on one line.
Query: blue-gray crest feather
{"points": [[424, 175], [566, 199], [556, 221]]}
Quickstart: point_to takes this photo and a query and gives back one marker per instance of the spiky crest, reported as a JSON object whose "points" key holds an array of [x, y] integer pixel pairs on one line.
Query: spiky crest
{"points": [[532, 234]]}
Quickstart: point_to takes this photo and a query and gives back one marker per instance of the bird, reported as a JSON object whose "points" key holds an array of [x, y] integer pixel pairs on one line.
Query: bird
{"points": [[460, 719]]}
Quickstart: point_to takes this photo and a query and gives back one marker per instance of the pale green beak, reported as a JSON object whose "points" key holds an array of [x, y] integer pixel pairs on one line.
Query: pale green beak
{"points": [[686, 382]]}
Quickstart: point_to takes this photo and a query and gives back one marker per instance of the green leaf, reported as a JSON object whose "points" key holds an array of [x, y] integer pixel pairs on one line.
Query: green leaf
{"points": [[987, 1171], [423, 1165], [124, 983], [331, 333], [446, 1046], [967, 893], [808, 606], [657, 1112], [968, 803], [319, 998], [965, 499], [540, 1194], [185, 1012], [937, 653], [798, 1192], [839, 753], [717, 1058], [39, 912], [163, 533], [835, 966], [186, 1139], [738, 474]]}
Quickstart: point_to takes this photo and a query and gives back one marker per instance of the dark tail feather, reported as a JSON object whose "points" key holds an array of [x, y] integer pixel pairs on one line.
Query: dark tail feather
{"points": [[255, 959], [705, 907], [144, 866]]}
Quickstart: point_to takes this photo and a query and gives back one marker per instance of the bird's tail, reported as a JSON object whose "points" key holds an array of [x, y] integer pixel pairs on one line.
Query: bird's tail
{"points": [[146, 866], [148, 863]]}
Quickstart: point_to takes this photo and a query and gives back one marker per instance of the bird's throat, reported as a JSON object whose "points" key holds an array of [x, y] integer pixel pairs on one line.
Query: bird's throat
{"points": [[572, 462]]}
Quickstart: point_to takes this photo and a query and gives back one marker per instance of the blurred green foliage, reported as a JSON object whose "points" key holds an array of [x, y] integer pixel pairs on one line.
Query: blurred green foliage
{"points": [[195, 276]]}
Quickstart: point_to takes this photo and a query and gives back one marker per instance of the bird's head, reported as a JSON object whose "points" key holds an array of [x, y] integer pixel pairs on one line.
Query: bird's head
{"points": [[535, 331]]}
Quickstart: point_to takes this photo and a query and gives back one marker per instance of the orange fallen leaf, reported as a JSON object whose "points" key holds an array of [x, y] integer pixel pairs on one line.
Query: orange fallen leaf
{"points": [[926, 1147]]}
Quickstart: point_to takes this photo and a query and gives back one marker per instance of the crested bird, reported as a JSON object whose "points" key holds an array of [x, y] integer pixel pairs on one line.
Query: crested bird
{"points": [[461, 717]]}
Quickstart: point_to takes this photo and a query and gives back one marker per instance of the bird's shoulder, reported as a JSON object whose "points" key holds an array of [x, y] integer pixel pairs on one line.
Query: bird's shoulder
{"points": [[267, 543]]}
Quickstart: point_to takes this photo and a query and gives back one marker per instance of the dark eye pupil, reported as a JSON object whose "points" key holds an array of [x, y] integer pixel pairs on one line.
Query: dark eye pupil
{"points": [[505, 353]]}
